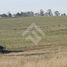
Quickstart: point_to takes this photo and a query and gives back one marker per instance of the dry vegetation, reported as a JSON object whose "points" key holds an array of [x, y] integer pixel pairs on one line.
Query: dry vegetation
{"points": [[51, 50], [51, 59]]}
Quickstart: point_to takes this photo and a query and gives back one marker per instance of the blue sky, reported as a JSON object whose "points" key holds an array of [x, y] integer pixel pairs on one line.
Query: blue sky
{"points": [[35, 5]]}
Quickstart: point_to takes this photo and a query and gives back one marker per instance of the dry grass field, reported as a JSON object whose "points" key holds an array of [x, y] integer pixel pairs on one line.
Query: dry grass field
{"points": [[48, 59], [51, 51]]}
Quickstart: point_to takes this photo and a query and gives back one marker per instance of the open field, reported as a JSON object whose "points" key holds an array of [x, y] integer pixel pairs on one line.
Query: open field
{"points": [[50, 59], [54, 28], [51, 51]]}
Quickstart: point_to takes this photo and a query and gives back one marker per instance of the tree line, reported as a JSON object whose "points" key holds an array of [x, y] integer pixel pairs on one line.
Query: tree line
{"points": [[31, 13]]}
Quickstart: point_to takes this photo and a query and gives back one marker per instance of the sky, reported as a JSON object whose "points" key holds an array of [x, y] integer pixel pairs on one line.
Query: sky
{"points": [[14, 6]]}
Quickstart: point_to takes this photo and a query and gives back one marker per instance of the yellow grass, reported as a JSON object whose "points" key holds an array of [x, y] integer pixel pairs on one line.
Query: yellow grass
{"points": [[53, 44], [59, 60]]}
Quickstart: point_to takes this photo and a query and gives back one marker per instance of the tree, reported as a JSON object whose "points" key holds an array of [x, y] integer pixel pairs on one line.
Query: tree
{"points": [[49, 12], [57, 13], [18, 14], [9, 14], [63, 14], [4, 15], [46, 14], [30, 13], [36, 14], [41, 12]]}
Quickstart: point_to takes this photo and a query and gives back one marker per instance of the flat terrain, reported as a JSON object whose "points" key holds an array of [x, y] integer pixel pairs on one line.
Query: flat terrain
{"points": [[54, 28], [51, 51]]}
